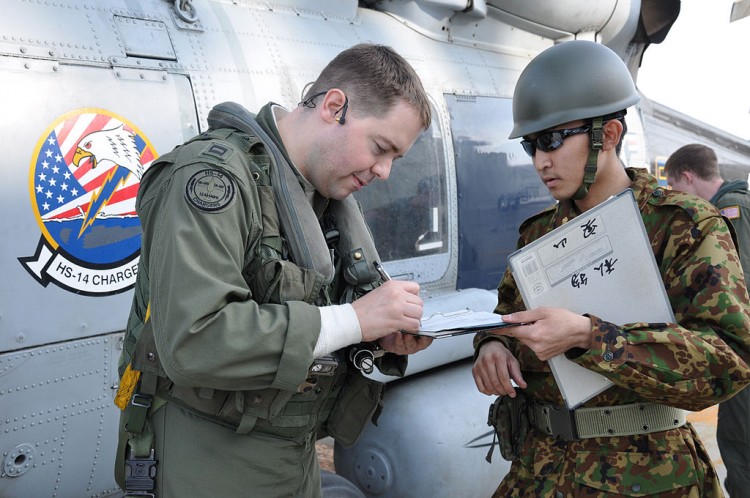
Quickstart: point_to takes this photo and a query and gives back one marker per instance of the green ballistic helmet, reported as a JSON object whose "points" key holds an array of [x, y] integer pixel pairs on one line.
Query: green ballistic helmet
{"points": [[570, 81]]}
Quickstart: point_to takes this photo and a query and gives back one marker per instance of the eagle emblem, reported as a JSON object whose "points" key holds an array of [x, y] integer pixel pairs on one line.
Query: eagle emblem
{"points": [[84, 178]]}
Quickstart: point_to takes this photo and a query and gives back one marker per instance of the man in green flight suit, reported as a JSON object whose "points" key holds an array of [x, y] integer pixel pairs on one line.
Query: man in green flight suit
{"points": [[694, 168], [256, 284], [569, 107]]}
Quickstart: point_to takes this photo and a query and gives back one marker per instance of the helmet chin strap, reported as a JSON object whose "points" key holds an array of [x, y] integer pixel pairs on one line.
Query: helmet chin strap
{"points": [[589, 173]]}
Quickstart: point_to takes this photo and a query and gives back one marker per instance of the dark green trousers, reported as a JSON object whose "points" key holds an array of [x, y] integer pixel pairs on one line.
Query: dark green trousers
{"points": [[199, 458], [733, 436]]}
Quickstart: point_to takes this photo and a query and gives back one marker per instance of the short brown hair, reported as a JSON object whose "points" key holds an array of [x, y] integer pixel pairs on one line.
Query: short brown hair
{"points": [[374, 77], [697, 158]]}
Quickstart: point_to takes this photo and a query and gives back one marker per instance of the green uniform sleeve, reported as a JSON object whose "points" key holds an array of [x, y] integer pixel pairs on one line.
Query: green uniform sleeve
{"points": [[199, 218], [737, 206]]}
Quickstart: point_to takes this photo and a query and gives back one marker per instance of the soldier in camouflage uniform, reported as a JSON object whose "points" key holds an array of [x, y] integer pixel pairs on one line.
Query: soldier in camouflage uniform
{"points": [[694, 168], [569, 107]]}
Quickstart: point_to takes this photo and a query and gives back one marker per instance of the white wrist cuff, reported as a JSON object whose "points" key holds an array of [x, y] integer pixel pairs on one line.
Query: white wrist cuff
{"points": [[339, 327]]}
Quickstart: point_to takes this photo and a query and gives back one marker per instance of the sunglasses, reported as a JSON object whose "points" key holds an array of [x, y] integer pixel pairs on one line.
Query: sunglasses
{"points": [[551, 140]]}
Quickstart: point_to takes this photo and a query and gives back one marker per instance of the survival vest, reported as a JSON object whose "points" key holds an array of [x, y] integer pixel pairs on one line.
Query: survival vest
{"points": [[291, 262]]}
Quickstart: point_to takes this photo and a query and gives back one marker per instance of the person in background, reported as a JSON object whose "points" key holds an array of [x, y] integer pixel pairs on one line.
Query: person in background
{"points": [[632, 439], [258, 299], [694, 168]]}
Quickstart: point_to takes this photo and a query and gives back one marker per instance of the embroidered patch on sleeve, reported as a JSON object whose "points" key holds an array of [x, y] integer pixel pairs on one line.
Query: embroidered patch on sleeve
{"points": [[217, 150], [210, 190], [731, 212]]}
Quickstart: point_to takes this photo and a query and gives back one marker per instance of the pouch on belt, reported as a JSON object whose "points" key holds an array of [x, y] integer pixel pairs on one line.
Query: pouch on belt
{"points": [[509, 417], [359, 401]]}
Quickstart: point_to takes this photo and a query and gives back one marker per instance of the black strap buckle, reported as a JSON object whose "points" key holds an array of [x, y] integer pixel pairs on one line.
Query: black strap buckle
{"points": [[140, 475], [563, 423], [556, 421]]}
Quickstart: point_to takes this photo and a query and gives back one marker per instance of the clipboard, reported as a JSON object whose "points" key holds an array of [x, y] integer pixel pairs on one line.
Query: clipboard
{"points": [[600, 262], [453, 323]]}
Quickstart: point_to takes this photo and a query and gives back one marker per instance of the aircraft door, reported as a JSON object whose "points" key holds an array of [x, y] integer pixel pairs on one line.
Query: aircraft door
{"points": [[76, 140]]}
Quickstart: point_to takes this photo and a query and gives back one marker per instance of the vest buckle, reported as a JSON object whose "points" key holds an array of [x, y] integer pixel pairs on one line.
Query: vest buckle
{"points": [[139, 475], [325, 366]]}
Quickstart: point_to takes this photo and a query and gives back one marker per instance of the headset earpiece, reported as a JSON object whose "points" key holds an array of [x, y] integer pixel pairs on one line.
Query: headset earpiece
{"points": [[342, 119]]}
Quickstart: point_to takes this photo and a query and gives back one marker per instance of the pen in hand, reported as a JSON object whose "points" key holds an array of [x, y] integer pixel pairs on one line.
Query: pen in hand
{"points": [[385, 277], [383, 274]]}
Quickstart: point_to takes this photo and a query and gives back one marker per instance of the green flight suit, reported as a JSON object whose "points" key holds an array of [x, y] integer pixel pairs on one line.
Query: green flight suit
{"points": [[691, 365], [202, 221], [733, 431]]}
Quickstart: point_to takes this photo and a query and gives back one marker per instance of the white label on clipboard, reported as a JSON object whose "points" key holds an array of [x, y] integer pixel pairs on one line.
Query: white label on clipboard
{"points": [[600, 262]]}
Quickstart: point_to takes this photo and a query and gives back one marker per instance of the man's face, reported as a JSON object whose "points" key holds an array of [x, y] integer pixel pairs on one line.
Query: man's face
{"points": [[682, 183], [350, 156], [561, 170]]}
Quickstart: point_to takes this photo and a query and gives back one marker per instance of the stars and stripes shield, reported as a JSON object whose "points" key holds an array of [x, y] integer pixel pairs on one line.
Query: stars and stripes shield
{"points": [[83, 180]]}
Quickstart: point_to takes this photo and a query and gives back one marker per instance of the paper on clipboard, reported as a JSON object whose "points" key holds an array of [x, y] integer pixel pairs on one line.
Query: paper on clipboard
{"points": [[600, 262], [459, 322]]}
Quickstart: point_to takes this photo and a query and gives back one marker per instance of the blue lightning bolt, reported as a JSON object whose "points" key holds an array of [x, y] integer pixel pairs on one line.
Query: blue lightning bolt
{"points": [[115, 177]]}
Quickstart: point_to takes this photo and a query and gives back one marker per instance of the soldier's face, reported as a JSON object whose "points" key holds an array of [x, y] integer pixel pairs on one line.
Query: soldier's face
{"points": [[561, 170], [362, 150]]}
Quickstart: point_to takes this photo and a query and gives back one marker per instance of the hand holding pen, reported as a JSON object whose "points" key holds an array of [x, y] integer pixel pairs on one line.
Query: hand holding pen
{"points": [[387, 310], [393, 306]]}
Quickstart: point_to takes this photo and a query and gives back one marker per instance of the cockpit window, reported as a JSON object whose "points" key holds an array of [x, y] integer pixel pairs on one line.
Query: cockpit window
{"points": [[497, 184], [408, 214]]}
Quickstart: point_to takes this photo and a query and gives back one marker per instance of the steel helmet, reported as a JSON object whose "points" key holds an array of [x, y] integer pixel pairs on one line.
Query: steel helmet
{"points": [[570, 81]]}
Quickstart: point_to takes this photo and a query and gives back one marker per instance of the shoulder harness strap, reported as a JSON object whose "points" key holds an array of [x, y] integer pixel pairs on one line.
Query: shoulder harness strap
{"points": [[288, 193]]}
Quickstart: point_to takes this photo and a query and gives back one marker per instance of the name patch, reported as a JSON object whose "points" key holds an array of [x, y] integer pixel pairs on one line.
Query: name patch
{"points": [[210, 190]]}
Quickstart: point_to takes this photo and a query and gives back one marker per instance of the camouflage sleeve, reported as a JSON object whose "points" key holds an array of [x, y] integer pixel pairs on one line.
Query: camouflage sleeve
{"points": [[703, 358], [508, 298], [508, 301]]}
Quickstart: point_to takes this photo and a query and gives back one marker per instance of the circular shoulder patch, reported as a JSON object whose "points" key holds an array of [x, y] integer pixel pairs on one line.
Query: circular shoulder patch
{"points": [[210, 190]]}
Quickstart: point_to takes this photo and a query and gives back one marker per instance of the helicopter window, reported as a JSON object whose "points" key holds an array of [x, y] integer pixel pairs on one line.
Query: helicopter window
{"points": [[498, 187], [407, 214]]}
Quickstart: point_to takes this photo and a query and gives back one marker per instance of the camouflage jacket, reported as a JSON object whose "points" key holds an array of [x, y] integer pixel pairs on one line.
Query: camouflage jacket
{"points": [[692, 364]]}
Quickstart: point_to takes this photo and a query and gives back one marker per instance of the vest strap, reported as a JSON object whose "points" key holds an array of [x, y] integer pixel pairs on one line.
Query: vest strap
{"points": [[274, 412], [307, 247]]}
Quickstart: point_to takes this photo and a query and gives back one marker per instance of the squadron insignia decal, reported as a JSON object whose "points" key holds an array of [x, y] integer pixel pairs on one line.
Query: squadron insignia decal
{"points": [[210, 190], [83, 180]]}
